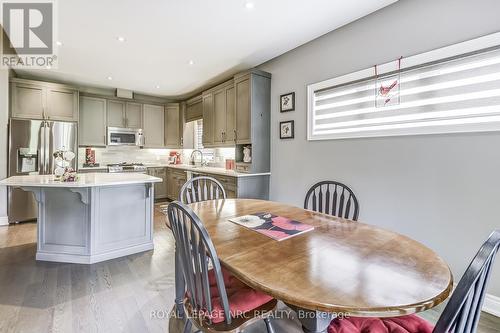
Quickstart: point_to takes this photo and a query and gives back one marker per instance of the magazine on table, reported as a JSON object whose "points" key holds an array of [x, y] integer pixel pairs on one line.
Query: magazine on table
{"points": [[273, 226]]}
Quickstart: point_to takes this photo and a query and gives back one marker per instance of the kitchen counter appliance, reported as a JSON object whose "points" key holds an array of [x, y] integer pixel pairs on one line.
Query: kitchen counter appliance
{"points": [[125, 137], [32, 144], [127, 167]]}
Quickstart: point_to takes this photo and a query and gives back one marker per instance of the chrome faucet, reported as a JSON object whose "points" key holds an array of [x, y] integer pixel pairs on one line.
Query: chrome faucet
{"points": [[192, 156]]}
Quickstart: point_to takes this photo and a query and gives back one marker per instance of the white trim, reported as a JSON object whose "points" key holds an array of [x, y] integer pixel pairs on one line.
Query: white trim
{"points": [[426, 57], [91, 259], [4, 220], [491, 305]]}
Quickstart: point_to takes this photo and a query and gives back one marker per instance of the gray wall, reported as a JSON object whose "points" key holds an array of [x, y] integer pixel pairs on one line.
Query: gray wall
{"points": [[4, 114], [442, 190]]}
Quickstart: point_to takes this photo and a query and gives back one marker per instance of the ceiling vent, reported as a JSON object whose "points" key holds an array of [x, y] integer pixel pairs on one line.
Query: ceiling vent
{"points": [[123, 93]]}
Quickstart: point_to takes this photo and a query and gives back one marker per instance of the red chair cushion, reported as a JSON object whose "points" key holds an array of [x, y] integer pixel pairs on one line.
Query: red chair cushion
{"points": [[241, 298], [404, 324]]}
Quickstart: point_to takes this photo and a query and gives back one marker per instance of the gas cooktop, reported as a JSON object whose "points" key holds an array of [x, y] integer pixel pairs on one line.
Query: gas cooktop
{"points": [[126, 167]]}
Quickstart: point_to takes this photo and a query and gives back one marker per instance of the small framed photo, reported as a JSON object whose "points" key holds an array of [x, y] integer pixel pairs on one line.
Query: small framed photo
{"points": [[287, 102], [287, 130]]}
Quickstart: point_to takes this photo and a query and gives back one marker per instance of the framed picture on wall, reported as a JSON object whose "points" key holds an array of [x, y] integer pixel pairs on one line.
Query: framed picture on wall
{"points": [[287, 130], [287, 102]]}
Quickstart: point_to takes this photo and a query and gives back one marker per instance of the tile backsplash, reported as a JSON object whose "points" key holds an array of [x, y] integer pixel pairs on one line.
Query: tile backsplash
{"points": [[110, 155]]}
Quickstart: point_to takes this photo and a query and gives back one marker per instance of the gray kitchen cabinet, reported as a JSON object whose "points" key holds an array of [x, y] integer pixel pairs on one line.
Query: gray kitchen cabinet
{"points": [[154, 126], [173, 123], [175, 179], [43, 100], [133, 115], [93, 170], [28, 100], [250, 187], [194, 109], [160, 188], [92, 124], [253, 104], [229, 137], [208, 119], [243, 110], [219, 116], [124, 114], [116, 113], [62, 104]]}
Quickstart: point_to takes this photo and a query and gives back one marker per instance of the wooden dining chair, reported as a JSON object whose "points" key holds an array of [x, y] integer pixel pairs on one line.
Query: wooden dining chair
{"points": [[201, 188], [332, 198], [215, 300], [461, 314]]}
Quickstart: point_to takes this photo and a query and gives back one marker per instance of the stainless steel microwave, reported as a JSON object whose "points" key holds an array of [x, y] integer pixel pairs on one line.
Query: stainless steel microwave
{"points": [[125, 137]]}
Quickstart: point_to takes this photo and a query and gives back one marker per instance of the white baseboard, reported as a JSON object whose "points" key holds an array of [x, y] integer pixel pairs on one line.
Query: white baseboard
{"points": [[491, 305], [4, 220], [92, 259]]}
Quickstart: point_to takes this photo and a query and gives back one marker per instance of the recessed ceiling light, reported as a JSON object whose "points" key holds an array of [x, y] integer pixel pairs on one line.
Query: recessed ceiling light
{"points": [[249, 5], [191, 62], [58, 43], [110, 78], [48, 67], [120, 39], [157, 87]]}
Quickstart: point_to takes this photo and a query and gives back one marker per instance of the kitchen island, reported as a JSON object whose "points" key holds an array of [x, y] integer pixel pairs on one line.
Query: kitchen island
{"points": [[99, 217]]}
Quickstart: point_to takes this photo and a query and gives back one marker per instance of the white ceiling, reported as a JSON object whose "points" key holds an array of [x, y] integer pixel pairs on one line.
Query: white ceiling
{"points": [[162, 36]]}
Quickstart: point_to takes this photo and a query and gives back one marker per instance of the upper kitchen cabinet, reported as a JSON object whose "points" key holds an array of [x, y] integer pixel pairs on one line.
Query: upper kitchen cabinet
{"points": [[124, 114], [43, 100], [219, 116], [173, 126], [253, 98], [92, 124], [223, 114], [208, 119], [27, 100], [194, 109], [62, 104], [116, 113], [133, 115], [154, 126], [243, 111], [230, 136]]}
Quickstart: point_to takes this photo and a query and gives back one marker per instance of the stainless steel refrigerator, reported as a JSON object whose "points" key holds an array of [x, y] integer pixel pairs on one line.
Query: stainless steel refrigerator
{"points": [[31, 147]]}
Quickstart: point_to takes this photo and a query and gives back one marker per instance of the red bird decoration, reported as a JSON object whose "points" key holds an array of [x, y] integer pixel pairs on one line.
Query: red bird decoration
{"points": [[384, 91]]}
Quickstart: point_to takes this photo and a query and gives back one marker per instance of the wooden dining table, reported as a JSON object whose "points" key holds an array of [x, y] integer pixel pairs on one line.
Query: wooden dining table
{"points": [[341, 268]]}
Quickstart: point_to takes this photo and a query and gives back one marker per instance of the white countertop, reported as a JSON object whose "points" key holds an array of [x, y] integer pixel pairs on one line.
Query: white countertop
{"points": [[204, 169], [210, 170], [84, 180]]}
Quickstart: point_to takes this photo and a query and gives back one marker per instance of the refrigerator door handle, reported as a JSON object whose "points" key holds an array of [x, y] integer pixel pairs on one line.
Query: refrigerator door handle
{"points": [[47, 149], [41, 158]]}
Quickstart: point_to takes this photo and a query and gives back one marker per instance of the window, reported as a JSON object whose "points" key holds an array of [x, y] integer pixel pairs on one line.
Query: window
{"points": [[440, 91], [208, 153], [198, 134]]}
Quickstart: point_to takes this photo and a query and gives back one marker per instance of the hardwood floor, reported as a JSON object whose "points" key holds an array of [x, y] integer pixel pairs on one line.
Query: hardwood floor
{"points": [[130, 294]]}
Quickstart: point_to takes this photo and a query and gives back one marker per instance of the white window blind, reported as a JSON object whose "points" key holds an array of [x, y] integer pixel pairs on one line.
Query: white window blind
{"points": [[457, 95], [198, 141]]}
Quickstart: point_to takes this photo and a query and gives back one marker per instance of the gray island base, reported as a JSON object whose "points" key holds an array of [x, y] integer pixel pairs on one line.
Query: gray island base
{"points": [[97, 218]]}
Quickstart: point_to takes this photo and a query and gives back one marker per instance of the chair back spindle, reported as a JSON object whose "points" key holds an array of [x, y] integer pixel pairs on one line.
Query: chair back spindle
{"points": [[196, 253], [333, 198], [461, 314], [201, 188]]}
